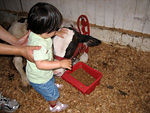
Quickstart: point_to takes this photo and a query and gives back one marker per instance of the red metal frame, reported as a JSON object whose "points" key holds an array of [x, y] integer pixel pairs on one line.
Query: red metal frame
{"points": [[85, 30], [77, 84]]}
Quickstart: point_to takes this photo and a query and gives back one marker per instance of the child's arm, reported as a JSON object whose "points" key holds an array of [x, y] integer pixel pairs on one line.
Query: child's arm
{"points": [[48, 65], [62, 32]]}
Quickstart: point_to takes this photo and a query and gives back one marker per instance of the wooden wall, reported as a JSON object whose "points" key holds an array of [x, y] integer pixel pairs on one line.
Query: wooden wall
{"points": [[132, 15]]}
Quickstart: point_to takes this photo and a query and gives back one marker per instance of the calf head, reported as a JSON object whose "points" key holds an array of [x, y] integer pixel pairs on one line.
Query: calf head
{"points": [[66, 47]]}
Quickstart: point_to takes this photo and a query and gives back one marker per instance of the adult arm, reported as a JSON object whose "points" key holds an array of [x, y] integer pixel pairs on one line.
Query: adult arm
{"points": [[25, 51], [6, 36]]}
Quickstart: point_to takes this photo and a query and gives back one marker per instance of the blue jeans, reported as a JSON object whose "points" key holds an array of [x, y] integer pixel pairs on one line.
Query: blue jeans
{"points": [[48, 90]]}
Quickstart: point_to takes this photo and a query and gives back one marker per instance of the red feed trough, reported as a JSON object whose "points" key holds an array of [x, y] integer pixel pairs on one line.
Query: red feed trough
{"points": [[77, 84]]}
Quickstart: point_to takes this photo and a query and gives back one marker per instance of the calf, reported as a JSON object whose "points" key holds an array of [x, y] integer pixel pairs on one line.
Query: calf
{"points": [[73, 44], [64, 48], [19, 29]]}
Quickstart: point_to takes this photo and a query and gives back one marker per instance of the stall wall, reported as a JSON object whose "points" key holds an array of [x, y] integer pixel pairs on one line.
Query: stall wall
{"points": [[126, 22]]}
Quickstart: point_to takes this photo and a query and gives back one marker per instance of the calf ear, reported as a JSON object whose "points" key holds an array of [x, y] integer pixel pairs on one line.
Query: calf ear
{"points": [[88, 40], [22, 20]]}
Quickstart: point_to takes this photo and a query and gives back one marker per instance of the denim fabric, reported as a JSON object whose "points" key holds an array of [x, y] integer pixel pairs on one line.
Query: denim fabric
{"points": [[48, 90]]}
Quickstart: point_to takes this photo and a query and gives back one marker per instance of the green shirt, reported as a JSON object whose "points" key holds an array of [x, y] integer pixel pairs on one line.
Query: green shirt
{"points": [[34, 74]]}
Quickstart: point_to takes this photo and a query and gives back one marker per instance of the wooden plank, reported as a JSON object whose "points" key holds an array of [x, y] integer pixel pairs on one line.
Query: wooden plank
{"points": [[58, 4], [82, 7], [140, 15], [13, 5], [66, 8], [27, 4], [129, 14], [53, 2], [119, 13], [147, 23], [2, 5], [100, 12], [109, 13], [75, 10], [91, 11]]}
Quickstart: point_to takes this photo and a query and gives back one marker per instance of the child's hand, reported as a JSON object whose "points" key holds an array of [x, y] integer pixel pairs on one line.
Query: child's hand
{"points": [[66, 64], [62, 32]]}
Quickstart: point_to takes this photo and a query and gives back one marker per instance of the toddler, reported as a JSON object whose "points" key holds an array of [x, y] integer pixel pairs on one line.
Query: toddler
{"points": [[43, 21]]}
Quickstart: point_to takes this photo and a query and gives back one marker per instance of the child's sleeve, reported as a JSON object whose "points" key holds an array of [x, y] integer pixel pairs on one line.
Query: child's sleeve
{"points": [[40, 54]]}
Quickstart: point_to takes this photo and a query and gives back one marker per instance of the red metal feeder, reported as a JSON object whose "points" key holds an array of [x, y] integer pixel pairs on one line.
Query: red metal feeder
{"points": [[83, 27], [84, 23], [77, 84]]}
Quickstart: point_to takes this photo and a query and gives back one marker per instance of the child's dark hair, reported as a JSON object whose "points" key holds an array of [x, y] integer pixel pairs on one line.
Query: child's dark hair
{"points": [[44, 18]]}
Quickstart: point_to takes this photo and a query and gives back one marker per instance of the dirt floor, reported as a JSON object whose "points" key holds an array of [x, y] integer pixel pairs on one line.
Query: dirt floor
{"points": [[124, 87]]}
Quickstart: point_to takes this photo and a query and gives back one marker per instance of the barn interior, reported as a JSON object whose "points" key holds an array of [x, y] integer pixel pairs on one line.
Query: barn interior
{"points": [[123, 57]]}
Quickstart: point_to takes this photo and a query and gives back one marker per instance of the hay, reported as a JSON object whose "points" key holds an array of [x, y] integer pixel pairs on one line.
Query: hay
{"points": [[84, 77], [124, 87]]}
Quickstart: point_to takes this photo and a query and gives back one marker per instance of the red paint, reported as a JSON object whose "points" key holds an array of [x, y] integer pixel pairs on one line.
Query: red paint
{"points": [[77, 84]]}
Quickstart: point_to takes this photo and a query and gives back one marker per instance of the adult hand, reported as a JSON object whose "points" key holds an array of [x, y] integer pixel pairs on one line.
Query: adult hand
{"points": [[23, 41], [27, 52]]}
